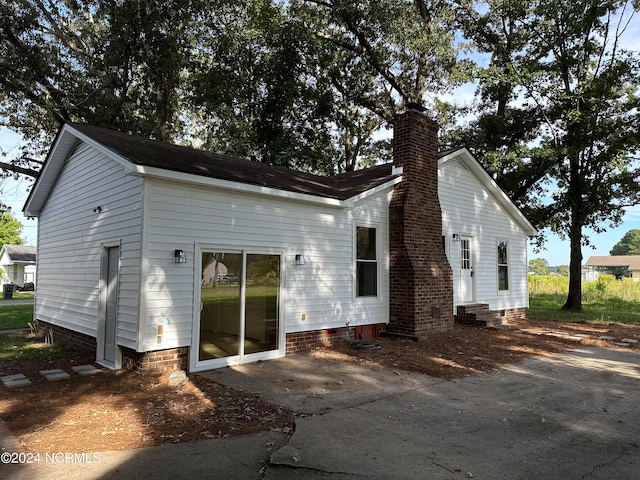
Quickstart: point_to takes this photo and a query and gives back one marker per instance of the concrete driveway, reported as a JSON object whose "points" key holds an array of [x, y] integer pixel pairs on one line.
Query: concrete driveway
{"points": [[570, 416], [567, 417]]}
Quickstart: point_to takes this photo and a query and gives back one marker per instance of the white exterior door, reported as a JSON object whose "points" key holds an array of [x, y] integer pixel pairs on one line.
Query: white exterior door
{"points": [[466, 269]]}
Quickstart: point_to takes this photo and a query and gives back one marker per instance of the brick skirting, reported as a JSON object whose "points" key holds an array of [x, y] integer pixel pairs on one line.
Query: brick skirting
{"points": [[301, 341], [143, 362], [178, 358], [158, 361], [80, 342]]}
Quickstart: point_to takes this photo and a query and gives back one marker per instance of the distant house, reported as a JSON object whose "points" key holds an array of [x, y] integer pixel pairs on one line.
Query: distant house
{"points": [[589, 274], [156, 256], [18, 263], [630, 262]]}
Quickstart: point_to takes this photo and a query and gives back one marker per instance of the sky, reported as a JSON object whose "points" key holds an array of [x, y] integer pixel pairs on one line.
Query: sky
{"points": [[14, 194]]}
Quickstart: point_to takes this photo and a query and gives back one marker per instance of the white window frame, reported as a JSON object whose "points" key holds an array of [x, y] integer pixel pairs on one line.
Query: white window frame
{"points": [[506, 265], [356, 260]]}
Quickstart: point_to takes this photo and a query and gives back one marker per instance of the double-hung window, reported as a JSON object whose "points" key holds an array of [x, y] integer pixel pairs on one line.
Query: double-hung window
{"points": [[503, 265], [366, 262]]}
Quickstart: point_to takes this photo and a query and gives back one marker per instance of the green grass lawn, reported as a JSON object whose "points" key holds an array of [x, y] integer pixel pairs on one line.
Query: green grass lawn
{"points": [[18, 296], [604, 301], [548, 307], [17, 347], [15, 316]]}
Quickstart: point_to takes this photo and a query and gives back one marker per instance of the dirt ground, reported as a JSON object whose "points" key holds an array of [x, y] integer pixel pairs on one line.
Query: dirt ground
{"points": [[123, 410]]}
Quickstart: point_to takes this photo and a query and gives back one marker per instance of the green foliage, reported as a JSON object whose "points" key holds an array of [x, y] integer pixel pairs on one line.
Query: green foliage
{"points": [[539, 266], [303, 84], [629, 244], [548, 285], [10, 230], [558, 113]]}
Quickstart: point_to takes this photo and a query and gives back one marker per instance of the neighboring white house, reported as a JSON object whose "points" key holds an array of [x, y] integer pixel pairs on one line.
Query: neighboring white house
{"points": [[18, 263], [133, 231]]}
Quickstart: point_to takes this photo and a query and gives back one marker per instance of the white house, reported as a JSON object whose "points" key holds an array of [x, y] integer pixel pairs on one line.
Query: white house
{"points": [[18, 263], [159, 256]]}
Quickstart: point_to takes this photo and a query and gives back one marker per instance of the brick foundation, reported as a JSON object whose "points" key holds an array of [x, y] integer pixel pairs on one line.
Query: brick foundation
{"points": [[421, 280], [301, 341], [156, 362], [178, 358], [143, 362], [80, 342]]}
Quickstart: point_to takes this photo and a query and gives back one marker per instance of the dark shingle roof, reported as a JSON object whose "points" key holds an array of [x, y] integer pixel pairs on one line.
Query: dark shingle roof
{"points": [[152, 153], [21, 253]]}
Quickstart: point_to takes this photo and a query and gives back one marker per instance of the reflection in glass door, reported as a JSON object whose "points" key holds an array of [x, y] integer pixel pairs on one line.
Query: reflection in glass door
{"points": [[220, 305], [239, 297], [261, 303]]}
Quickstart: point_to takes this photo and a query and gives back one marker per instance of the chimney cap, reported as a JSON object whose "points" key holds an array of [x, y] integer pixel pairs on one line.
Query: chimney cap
{"points": [[416, 107]]}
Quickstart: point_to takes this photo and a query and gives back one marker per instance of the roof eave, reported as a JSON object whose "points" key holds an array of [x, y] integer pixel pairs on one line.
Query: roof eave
{"points": [[171, 175]]}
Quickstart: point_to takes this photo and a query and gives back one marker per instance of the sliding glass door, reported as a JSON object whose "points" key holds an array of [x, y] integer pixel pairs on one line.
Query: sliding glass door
{"points": [[239, 307]]}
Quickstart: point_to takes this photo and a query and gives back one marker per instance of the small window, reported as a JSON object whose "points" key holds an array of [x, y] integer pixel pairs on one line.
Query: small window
{"points": [[366, 262], [503, 265]]}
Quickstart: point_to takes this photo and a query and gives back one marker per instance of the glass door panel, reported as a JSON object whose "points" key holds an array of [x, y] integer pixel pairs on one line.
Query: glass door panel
{"points": [[262, 303], [220, 296]]}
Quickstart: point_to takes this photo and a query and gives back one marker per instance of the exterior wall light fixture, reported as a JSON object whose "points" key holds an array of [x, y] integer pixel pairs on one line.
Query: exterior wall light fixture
{"points": [[180, 256]]}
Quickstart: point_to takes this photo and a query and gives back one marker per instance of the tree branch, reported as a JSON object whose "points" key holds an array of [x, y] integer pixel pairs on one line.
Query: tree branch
{"points": [[21, 170]]}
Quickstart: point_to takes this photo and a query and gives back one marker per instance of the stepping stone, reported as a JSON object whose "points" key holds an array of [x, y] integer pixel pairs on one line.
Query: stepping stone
{"points": [[621, 344], [15, 381], [575, 338], [54, 375], [85, 370], [582, 335], [629, 340], [554, 335], [606, 337], [11, 378]]}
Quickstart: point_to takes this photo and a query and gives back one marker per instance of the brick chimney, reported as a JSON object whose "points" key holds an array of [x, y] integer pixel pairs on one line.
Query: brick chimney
{"points": [[421, 280]]}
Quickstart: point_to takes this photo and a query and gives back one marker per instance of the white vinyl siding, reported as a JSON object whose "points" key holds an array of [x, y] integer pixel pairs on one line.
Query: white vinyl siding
{"points": [[468, 209], [182, 216], [70, 244]]}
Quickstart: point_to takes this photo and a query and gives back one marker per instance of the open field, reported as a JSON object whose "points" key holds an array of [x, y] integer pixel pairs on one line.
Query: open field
{"points": [[606, 300]]}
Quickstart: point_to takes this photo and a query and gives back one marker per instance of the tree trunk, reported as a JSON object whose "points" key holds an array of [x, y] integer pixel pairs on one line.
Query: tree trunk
{"points": [[160, 131], [574, 298]]}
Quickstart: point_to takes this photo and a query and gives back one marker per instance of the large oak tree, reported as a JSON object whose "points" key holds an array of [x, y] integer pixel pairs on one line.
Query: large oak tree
{"points": [[558, 113]]}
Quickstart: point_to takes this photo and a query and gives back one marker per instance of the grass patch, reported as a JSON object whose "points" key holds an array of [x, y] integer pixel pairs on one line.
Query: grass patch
{"points": [[18, 296], [15, 316], [17, 347], [606, 300]]}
